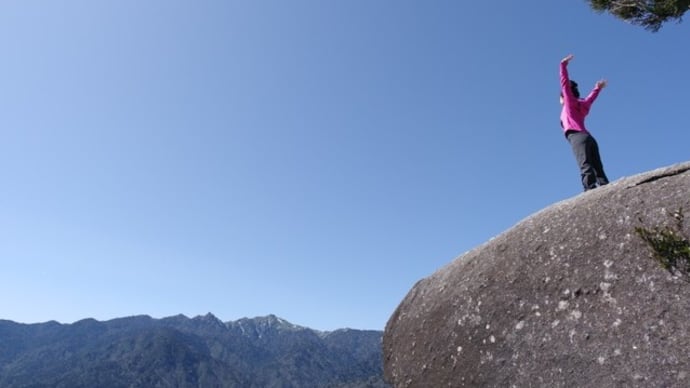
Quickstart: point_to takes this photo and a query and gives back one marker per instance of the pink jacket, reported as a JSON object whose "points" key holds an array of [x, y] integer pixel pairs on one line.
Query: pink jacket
{"points": [[574, 109]]}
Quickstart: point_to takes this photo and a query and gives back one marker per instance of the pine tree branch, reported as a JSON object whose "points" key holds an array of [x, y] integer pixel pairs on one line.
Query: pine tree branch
{"points": [[650, 14]]}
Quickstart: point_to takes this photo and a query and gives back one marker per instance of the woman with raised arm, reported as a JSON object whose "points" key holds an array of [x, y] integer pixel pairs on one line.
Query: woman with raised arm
{"points": [[585, 147]]}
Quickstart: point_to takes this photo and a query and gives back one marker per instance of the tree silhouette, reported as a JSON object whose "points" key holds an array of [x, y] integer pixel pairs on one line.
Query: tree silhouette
{"points": [[650, 14]]}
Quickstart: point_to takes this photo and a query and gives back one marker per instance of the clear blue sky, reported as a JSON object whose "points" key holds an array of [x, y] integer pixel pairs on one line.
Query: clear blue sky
{"points": [[310, 159]]}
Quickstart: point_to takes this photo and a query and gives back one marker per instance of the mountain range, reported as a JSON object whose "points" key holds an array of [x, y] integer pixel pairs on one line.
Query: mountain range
{"points": [[178, 351]]}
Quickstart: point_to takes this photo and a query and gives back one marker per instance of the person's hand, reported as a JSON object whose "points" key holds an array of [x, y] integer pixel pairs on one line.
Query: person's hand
{"points": [[567, 59], [601, 84]]}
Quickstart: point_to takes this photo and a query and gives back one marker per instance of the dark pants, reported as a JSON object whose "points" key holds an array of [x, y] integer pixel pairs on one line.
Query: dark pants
{"points": [[586, 153]]}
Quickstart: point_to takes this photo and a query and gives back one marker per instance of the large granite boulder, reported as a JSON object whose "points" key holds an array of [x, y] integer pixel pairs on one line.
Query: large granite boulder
{"points": [[572, 296]]}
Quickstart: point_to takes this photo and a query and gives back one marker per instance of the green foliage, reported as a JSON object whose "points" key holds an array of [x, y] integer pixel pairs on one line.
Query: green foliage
{"points": [[650, 14], [670, 247]]}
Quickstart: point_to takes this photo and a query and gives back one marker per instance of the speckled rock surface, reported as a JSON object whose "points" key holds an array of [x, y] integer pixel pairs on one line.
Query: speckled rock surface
{"points": [[569, 297]]}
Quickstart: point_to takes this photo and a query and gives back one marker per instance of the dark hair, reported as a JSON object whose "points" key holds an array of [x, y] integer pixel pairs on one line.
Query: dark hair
{"points": [[573, 87]]}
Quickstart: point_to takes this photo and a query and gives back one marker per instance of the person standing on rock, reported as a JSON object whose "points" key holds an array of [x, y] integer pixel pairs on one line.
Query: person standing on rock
{"points": [[573, 114]]}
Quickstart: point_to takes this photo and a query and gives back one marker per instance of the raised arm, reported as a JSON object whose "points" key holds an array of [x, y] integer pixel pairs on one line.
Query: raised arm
{"points": [[565, 78], [595, 92]]}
